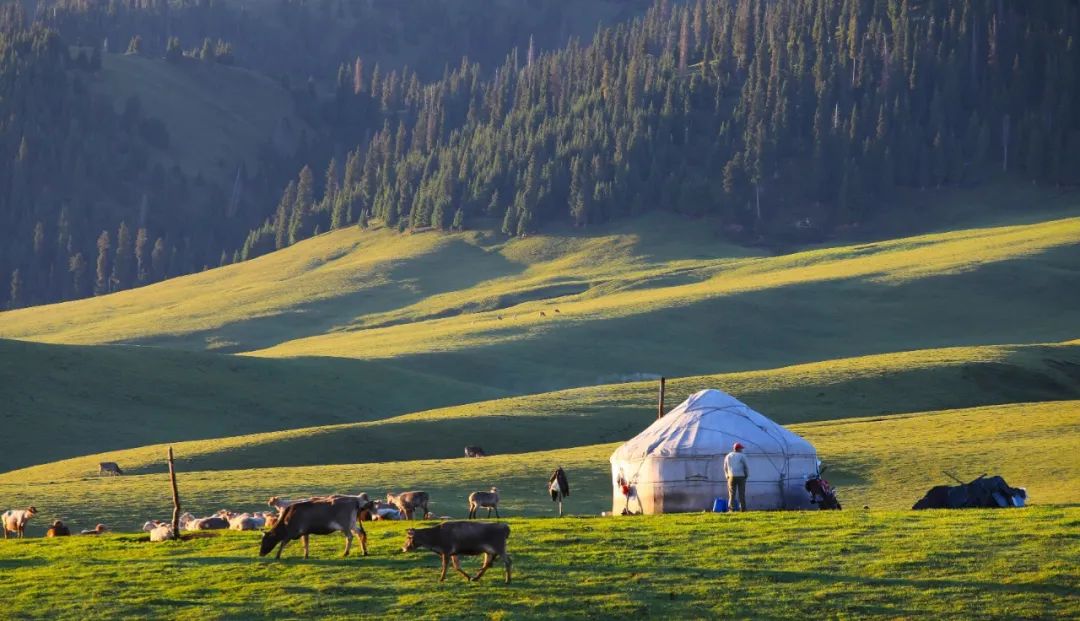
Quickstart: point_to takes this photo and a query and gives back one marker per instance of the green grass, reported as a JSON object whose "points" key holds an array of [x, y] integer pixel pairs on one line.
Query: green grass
{"points": [[646, 296], [880, 385], [61, 399], [884, 463], [852, 564], [217, 116]]}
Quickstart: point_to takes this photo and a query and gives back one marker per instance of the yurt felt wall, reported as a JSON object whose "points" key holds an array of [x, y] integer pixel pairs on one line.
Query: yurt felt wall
{"points": [[677, 463]]}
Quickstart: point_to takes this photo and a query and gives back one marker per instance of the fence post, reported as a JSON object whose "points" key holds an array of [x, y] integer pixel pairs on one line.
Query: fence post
{"points": [[175, 496], [660, 404]]}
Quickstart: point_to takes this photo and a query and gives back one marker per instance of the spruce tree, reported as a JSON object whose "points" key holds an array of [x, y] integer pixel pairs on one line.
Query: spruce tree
{"points": [[101, 287]]}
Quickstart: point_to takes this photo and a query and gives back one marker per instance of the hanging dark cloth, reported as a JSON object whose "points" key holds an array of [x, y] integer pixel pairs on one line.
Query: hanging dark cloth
{"points": [[558, 484]]}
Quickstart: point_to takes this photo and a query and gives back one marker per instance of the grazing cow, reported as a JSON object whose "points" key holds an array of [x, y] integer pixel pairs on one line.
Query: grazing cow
{"points": [[321, 516], [109, 468], [15, 520], [409, 502], [450, 539], [475, 451], [97, 530], [162, 532], [484, 500], [58, 529]]}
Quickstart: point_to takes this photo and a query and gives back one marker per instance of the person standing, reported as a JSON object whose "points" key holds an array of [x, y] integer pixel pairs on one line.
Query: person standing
{"points": [[736, 469]]}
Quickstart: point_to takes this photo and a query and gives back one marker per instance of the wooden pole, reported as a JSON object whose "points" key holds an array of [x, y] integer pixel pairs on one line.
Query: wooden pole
{"points": [[175, 496], [660, 403]]}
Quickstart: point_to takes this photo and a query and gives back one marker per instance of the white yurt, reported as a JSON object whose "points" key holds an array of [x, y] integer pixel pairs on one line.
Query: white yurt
{"points": [[677, 463]]}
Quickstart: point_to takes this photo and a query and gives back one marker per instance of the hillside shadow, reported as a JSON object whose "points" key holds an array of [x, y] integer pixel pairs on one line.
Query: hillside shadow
{"points": [[784, 326]]}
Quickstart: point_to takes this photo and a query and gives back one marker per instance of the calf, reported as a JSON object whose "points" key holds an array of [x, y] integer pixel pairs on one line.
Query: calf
{"points": [[110, 468], [320, 516], [409, 502], [484, 500], [58, 529], [15, 520], [475, 451], [450, 539]]}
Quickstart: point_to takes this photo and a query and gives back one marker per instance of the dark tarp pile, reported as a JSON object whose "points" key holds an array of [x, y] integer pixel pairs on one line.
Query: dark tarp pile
{"points": [[992, 492]]}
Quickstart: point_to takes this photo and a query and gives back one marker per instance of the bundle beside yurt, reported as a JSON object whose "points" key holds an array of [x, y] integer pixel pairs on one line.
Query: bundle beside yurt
{"points": [[677, 463]]}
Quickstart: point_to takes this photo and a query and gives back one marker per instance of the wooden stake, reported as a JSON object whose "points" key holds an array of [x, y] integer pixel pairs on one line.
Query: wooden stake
{"points": [[175, 496], [660, 404]]}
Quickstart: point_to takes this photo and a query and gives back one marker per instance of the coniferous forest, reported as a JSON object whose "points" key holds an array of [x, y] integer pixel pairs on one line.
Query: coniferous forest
{"points": [[759, 113]]}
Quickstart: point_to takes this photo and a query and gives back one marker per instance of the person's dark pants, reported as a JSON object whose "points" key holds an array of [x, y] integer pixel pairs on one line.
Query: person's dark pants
{"points": [[736, 485]]}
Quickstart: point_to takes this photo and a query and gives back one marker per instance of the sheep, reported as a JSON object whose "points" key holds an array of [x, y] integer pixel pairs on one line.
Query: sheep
{"points": [[186, 519], [246, 521], [15, 521], [152, 524], [162, 532], [484, 500], [409, 502]]}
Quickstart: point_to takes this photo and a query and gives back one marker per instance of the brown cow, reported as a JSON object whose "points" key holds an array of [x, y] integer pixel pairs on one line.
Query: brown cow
{"points": [[450, 539], [409, 502], [320, 516]]}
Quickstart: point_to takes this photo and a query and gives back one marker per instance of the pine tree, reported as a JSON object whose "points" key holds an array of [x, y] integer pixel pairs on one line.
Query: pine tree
{"points": [[578, 205], [142, 256], [77, 270], [121, 271], [282, 214], [159, 260], [135, 46], [173, 52], [15, 300], [103, 267], [459, 220]]}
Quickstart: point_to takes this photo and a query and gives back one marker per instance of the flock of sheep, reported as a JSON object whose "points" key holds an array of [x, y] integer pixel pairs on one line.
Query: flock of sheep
{"points": [[395, 507]]}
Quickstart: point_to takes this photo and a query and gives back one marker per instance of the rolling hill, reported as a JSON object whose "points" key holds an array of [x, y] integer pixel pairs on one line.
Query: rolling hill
{"points": [[187, 403], [515, 315], [60, 399]]}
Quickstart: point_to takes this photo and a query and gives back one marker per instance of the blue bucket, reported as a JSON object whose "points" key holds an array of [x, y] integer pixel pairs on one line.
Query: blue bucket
{"points": [[719, 505]]}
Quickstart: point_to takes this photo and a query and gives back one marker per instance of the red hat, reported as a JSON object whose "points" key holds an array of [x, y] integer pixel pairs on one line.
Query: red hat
{"points": [[738, 446]]}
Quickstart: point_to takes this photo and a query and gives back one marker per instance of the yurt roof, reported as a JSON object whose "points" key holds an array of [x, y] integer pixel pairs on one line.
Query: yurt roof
{"points": [[708, 424]]}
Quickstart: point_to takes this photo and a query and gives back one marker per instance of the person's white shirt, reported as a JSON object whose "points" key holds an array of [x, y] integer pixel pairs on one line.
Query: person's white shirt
{"points": [[736, 465]]}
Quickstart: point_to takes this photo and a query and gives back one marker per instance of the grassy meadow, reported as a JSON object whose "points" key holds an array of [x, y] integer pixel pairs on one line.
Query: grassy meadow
{"points": [[887, 565], [886, 463], [365, 361], [359, 405], [481, 309]]}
